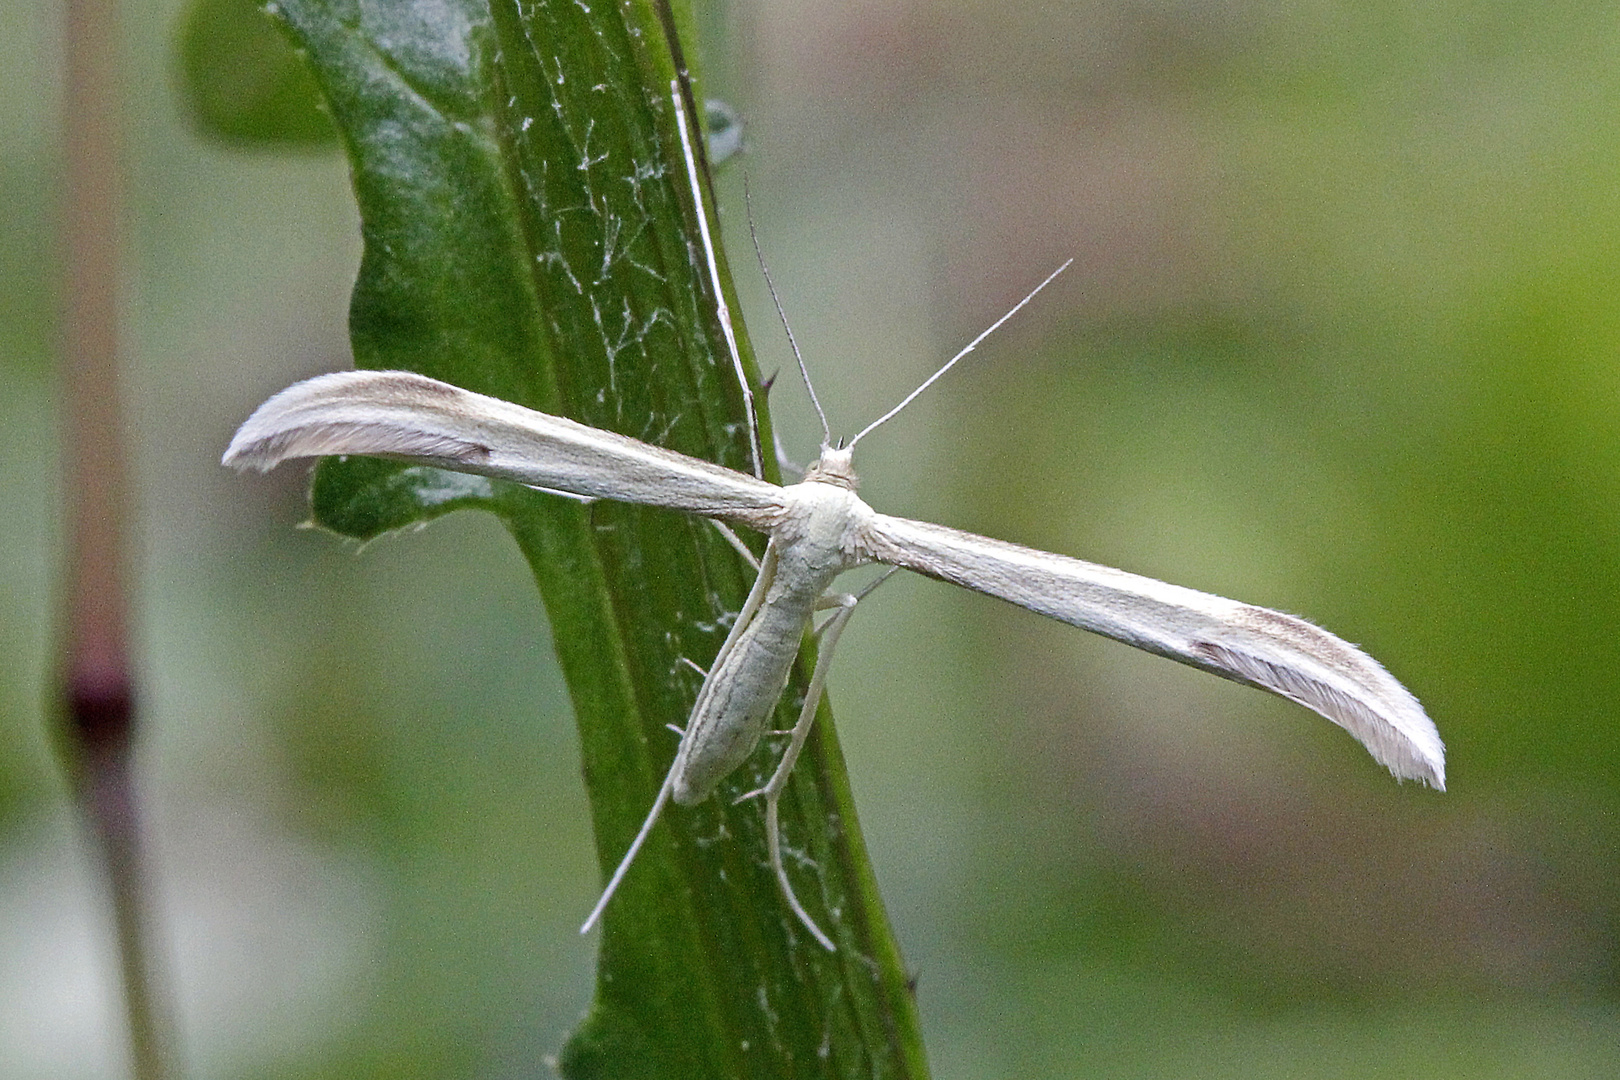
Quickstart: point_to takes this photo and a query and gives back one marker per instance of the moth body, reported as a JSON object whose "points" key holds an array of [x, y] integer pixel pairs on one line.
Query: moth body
{"points": [[817, 537], [818, 529]]}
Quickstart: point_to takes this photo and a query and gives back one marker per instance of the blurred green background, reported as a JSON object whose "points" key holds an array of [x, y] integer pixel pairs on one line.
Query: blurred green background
{"points": [[1342, 339]]}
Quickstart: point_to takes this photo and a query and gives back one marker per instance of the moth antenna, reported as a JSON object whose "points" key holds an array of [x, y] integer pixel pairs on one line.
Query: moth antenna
{"points": [[926, 383], [804, 372], [721, 310]]}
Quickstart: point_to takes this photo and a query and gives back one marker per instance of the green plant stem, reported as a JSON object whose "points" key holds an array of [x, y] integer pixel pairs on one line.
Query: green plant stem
{"points": [[530, 234]]}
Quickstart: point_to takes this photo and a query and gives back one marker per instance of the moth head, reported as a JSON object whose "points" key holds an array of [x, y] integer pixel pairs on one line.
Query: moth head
{"points": [[835, 466]]}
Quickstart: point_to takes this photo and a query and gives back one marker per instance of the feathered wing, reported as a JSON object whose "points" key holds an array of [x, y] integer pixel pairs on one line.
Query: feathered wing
{"points": [[402, 415], [1253, 645]]}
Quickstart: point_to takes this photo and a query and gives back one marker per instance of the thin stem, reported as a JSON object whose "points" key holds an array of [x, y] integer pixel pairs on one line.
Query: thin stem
{"points": [[96, 691]]}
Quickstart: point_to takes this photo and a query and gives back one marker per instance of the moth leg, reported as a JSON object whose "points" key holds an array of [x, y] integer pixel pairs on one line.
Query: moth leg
{"points": [[773, 789], [575, 496], [787, 465], [695, 666], [736, 541], [756, 597], [635, 846], [845, 600], [721, 308], [783, 462]]}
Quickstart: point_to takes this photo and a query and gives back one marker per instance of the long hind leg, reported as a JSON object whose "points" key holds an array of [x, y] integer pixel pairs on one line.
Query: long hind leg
{"points": [[751, 606], [772, 791]]}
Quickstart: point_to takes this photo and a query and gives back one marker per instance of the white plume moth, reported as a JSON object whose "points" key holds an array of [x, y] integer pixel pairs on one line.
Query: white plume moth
{"points": [[818, 529]]}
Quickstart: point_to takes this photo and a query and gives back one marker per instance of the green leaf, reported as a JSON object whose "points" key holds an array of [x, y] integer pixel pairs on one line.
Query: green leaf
{"points": [[530, 233], [242, 81]]}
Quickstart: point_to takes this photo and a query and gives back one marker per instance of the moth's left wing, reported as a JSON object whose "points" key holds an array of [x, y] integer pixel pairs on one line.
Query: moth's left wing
{"points": [[405, 416], [1276, 652]]}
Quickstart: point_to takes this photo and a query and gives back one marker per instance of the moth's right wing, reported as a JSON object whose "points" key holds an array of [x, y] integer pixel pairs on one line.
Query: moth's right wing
{"points": [[1264, 648], [405, 416]]}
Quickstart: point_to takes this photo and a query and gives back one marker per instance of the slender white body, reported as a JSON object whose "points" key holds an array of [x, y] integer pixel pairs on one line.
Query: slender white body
{"points": [[818, 529], [818, 539]]}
